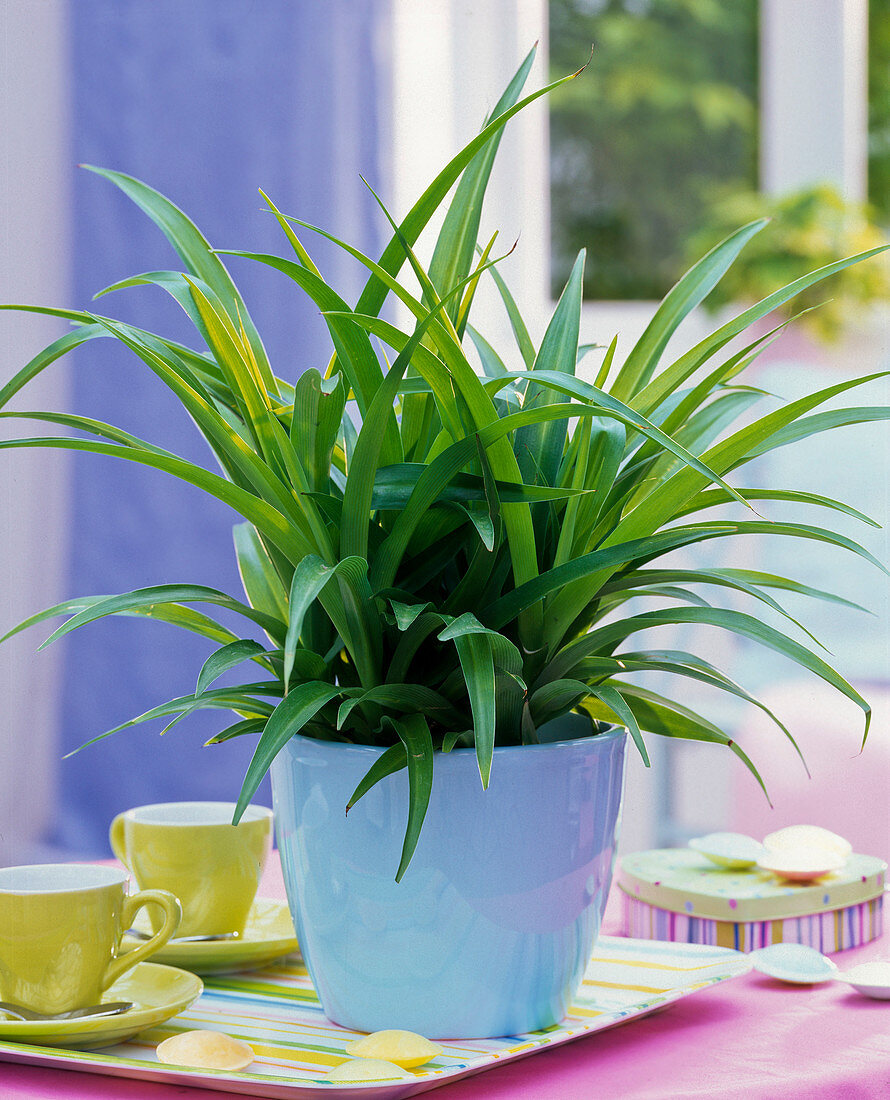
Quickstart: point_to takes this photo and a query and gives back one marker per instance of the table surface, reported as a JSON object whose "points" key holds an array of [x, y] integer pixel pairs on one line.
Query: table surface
{"points": [[752, 1037]]}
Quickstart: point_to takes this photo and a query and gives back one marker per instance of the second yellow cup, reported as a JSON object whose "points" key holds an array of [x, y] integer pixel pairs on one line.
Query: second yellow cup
{"points": [[193, 850]]}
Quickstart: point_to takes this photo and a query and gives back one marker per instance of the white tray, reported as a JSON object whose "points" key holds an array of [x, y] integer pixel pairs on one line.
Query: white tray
{"points": [[277, 1013]]}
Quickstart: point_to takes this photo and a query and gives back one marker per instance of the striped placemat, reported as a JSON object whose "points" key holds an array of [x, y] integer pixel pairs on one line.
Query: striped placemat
{"points": [[276, 1011]]}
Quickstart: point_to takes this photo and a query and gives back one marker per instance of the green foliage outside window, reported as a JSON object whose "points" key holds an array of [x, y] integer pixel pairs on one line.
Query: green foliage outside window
{"points": [[666, 112], [809, 228], [879, 108]]}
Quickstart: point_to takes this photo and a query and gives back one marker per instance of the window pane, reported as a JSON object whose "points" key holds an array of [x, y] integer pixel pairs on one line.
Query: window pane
{"points": [[665, 114], [879, 107]]}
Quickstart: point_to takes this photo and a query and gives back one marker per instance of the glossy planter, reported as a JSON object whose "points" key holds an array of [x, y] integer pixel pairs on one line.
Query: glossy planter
{"points": [[494, 921]]}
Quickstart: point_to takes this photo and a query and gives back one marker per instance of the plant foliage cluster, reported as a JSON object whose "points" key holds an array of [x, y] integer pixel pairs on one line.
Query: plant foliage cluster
{"points": [[436, 557]]}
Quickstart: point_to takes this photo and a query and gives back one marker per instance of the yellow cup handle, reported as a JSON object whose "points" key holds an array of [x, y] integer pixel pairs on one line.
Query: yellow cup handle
{"points": [[132, 905], [116, 839]]}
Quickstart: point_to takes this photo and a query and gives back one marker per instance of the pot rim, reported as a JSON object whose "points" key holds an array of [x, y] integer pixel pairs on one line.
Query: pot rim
{"points": [[614, 733]]}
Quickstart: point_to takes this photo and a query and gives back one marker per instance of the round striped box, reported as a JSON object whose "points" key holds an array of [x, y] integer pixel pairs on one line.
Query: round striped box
{"points": [[677, 894]]}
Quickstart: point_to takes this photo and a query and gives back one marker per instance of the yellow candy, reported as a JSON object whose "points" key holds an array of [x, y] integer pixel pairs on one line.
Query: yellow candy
{"points": [[206, 1050], [403, 1048], [368, 1069]]}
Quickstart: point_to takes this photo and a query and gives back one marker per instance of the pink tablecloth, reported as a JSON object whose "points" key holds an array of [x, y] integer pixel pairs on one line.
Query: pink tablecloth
{"points": [[751, 1037]]}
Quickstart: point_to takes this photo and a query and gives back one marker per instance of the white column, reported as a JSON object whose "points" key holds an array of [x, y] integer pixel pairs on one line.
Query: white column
{"points": [[34, 184], [813, 116], [451, 61]]}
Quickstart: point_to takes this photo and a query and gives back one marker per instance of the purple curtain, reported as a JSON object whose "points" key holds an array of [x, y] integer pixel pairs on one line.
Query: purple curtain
{"points": [[206, 102]]}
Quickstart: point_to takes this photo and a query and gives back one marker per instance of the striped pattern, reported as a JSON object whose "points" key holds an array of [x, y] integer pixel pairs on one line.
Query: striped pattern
{"points": [[276, 1011], [686, 882], [835, 930]]}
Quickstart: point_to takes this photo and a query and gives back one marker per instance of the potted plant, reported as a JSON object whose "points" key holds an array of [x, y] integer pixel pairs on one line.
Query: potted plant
{"points": [[440, 562]]}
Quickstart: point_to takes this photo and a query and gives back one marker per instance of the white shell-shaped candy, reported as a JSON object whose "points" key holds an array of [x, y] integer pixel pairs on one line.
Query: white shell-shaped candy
{"points": [[735, 851], [403, 1048], [871, 978], [807, 836], [802, 864], [793, 962], [206, 1050], [368, 1069]]}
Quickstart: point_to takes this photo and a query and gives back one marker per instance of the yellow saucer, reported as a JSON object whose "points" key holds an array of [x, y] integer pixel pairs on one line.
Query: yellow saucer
{"points": [[157, 992], [268, 934]]}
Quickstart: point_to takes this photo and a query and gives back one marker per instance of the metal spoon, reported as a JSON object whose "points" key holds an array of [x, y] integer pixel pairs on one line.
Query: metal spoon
{"points": [[136, 934], [111, 1008]]}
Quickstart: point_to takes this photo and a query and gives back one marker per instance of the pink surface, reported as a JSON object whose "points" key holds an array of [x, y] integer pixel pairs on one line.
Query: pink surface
{"points": [[752, 1037]]}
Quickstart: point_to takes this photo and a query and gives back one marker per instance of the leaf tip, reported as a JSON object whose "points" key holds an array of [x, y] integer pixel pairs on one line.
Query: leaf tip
{"points": [[578, 72]]}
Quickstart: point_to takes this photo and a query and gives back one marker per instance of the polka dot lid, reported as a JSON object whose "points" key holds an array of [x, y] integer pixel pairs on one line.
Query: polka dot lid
{"points": [[684, 881]]}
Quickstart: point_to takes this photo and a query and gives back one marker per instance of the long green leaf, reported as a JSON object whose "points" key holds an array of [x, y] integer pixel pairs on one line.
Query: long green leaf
{"points": [[687, 664], [616, 702], [236, 699], [711, 498], [229, 656], [195, 253], [158, 594], [393, 257], [354, 352], [644, 581], [456, 243], [414, 733], [517, 324], [404, 698], [237, 729], [575, 387], [503, 610], [261, 582], [388, 763], [671, 378], [266, 518], [297, 708], [393, 486], [680, 300], [540, 446], [311, 576], [815, 425], [318, 413], [49, 355], [607, 636], [662, 505], [670, 719], [475, 654]]}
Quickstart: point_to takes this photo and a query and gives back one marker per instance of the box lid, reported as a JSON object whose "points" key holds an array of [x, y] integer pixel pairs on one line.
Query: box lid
{"points": [[685, 881]]}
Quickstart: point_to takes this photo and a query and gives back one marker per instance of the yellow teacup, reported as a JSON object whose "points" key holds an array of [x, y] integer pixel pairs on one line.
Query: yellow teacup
{"points": [[60, 933], [193, 850]]}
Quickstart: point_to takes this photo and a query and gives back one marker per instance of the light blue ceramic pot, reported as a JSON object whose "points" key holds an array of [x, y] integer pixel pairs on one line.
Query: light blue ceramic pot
{"points": [[493, 923]]}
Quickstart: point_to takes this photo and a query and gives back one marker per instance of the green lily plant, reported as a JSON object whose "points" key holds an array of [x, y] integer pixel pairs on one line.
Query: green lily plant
{"points": [[436, 556]]}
